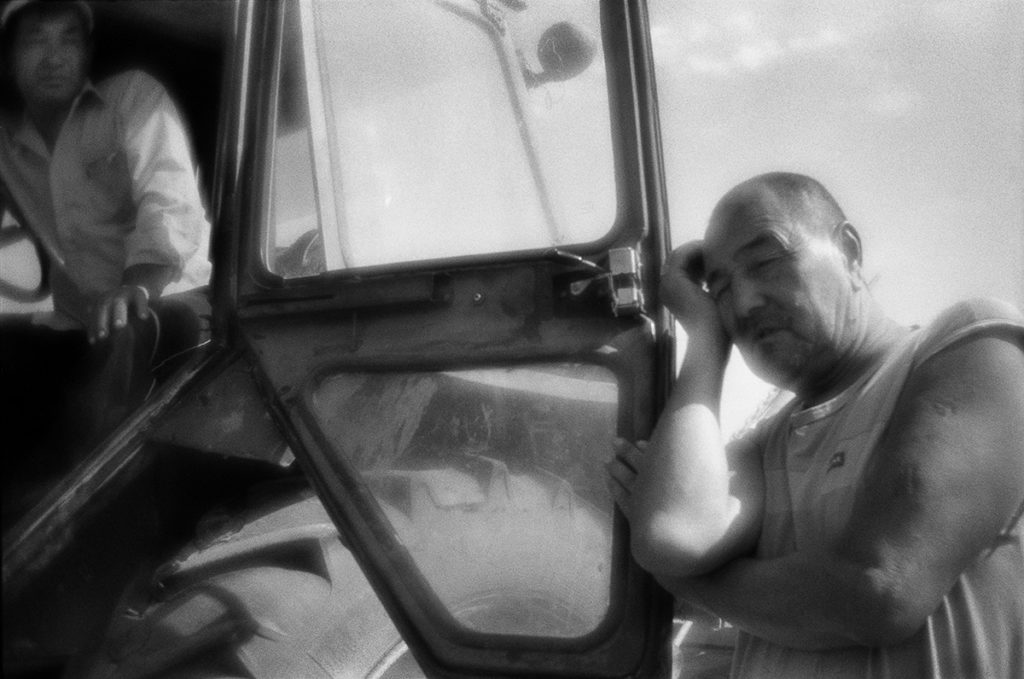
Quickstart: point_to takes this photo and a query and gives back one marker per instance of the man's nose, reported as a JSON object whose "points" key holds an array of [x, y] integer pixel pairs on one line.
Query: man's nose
{"points": [[746, 296], [55, 54]]}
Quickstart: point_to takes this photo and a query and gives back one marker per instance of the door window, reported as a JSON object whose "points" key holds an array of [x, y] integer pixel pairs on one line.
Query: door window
{"points": [[492, 481], [435, 129]]}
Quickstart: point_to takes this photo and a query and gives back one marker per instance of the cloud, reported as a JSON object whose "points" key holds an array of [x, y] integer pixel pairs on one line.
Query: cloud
{"points": [[958, 13], [893, 102], [736, 41], [756, 54], [825, 38]]}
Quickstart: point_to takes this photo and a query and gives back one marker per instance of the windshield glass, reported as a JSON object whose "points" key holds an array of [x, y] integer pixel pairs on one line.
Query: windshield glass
{"points": [[492, 481], [432, 129]]}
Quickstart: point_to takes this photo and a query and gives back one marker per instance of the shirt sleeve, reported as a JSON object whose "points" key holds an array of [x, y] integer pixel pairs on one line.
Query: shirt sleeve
{"points": [[170, 221]]}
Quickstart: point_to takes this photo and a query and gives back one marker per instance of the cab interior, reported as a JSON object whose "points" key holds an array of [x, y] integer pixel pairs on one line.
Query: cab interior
{"points": [[55, 609]]}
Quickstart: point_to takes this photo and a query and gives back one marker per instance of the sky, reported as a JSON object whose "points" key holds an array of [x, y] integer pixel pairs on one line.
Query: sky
{"points": [[911, 113]]}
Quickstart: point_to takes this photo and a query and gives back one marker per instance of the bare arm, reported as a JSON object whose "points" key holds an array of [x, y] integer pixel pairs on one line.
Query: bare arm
{"points": [[945, 481], [692, 507]]}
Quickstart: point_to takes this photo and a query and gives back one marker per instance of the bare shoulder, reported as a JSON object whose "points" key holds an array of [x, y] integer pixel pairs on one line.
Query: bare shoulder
{"points": [[953, 450], [968, 319], [980, 371], [946, 480], [964, 400], [969, 368]]}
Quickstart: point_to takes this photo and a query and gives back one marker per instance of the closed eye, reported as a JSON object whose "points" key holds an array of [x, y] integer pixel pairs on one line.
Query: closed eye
{"points": [[717, 287], [766, 264]]}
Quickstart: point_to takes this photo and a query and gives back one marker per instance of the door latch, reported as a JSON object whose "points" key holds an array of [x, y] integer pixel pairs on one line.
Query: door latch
{"points": [[624, 277], [619, 281]]}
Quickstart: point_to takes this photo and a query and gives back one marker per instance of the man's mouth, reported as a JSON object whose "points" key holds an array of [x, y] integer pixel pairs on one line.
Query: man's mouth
{"points": [[54, 80], [55, 75], [761, 327], [762, 334]]}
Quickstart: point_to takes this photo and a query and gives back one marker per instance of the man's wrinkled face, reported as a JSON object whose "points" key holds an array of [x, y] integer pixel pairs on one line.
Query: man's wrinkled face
{"points": [[50, 57], [783, 292]]}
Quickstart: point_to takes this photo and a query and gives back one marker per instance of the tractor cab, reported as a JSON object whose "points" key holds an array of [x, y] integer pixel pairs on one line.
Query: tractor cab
{"points": [[438, 227]]}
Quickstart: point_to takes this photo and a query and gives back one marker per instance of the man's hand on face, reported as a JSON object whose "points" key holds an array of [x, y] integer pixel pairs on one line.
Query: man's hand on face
{"points": [[682, 292], [113, 309]]}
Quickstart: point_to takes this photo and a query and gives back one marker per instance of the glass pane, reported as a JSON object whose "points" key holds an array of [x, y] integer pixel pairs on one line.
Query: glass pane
{"points": [[494, 482], [293, 246], [444, 128]]}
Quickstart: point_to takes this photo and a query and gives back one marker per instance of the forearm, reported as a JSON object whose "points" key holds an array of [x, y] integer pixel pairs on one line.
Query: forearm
{"points": [[803, 601], [683, 503]]}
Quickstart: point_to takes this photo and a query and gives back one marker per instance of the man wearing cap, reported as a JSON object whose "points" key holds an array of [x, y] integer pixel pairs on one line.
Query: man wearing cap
{"points": [[102, 175]]}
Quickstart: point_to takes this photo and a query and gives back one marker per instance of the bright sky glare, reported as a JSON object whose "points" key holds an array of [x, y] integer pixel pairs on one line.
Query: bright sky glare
{"points": [[911, 113]]}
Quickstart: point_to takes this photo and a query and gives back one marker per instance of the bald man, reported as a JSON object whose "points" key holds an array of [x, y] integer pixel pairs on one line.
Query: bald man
{"points": [[872, 528]]}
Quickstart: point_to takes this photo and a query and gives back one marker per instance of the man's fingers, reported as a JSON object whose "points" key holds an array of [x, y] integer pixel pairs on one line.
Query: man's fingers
{"points": [[140, 300], [689, 260], [619, 481], [112, 311], [693, 264], [624, 453], [100, 320], [631, 454], [119, 312], [621, 473]]}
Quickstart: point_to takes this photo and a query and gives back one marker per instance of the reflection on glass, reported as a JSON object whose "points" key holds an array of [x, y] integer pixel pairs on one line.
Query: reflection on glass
{"points": [[438, 128], [493, 480]]}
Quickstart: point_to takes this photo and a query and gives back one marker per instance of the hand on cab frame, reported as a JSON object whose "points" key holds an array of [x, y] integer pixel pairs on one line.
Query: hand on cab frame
{"points": [[622, 471], [112, 310]]}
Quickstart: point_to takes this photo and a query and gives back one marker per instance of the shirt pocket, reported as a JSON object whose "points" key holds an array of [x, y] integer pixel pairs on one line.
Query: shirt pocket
{"points": [[109, 184]]}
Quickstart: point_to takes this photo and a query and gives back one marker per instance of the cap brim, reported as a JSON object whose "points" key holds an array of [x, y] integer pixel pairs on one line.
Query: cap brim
{"points": [[15, 6]]}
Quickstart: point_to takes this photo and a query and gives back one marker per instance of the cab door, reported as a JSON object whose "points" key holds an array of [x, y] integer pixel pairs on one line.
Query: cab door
{"points": [[449, 228]]}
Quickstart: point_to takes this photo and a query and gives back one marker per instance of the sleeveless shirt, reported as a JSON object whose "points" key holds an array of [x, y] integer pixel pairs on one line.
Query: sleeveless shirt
{"points": [[813, 461]]}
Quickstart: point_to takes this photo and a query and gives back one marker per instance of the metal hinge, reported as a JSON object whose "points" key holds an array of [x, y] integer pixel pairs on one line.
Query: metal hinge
{"points": [[624, 280]]}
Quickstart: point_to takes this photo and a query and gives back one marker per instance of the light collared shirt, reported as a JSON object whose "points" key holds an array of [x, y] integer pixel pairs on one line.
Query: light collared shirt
{"points": [[118, 189]]}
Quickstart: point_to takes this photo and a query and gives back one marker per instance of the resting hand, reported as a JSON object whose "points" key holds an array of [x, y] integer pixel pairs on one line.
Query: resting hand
{"points": [[683, 294], [622, 471], [111, 311]]}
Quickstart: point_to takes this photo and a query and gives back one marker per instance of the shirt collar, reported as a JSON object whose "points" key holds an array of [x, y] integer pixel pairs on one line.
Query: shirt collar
{"points": [[88, 90], [801, 416], [25, 134]]}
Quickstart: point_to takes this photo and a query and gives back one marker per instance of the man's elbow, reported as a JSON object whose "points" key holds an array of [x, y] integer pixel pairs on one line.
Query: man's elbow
{"points": [[892, 615], [888, 629], [665, 546]]}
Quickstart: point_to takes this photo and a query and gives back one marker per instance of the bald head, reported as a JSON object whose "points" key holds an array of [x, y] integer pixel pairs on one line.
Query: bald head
{"points": [[784, 268], [802, 199]]}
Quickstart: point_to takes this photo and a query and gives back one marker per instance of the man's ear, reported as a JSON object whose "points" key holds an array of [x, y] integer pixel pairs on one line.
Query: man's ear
{"points": [[847, 240]]}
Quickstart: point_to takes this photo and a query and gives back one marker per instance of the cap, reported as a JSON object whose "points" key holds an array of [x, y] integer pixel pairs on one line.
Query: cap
{"points": [[15, 6]]}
